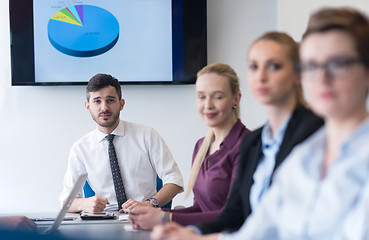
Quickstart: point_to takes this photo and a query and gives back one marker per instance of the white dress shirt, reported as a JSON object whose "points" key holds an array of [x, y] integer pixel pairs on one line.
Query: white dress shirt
{"points": [[142, 154], [357, 222], [301, 204]]}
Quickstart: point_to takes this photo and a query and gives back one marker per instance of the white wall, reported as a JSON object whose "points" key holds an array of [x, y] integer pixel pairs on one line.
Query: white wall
{"points": [[293, 15]]}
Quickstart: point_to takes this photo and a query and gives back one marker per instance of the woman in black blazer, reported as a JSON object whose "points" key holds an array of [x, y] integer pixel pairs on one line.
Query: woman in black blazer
{"points": [[274, 80]]}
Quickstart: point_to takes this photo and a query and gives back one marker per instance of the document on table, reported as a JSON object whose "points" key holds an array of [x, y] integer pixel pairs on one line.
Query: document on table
{"points": [[123, 217], [129, 228]]}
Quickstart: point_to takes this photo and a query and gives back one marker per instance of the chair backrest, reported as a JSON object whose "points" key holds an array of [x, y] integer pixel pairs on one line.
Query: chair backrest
{"points": [[159, 184], [88, 190]]}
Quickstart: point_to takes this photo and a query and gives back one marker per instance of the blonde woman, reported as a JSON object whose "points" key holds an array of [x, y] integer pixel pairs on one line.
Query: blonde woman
{"points": [[215, 157]]}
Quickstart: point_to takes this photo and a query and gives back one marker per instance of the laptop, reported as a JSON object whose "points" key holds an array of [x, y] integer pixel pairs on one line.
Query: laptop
{"points": [[46, 229]]}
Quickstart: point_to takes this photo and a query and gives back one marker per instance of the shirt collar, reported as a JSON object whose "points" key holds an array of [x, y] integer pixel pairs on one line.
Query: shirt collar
{"points": [[317, 145], [231, 139], [357, 139], [266, 135], [118, 131]]}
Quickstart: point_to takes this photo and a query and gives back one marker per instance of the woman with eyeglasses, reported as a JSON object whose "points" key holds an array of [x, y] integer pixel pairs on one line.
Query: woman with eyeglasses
{"points": [[323, 178]]}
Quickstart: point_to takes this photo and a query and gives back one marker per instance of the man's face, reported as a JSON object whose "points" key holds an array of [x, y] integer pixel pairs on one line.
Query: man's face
{"points": [[104, 107]]}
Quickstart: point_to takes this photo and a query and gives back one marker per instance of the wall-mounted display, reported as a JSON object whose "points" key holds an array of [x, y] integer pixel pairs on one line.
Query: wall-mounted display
{"points": [[66, 42]]}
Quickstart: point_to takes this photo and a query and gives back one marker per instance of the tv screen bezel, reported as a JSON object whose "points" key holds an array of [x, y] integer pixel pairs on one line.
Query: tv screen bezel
{"points": [[189, 44]]}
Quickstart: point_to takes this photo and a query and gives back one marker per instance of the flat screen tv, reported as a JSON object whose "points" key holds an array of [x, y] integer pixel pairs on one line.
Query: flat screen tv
{"points": [[66, 42]]}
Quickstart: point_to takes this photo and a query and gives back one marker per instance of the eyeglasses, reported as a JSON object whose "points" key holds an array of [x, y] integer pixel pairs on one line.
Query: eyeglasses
{"points": [[334, 67]]}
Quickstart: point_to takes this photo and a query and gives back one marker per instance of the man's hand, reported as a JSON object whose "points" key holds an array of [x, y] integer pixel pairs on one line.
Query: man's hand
{"points": [[21, 223], [92, 204]]}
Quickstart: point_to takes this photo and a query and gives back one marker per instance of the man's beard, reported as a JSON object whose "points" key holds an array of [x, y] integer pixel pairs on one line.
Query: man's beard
{"points": [[103, 123]]}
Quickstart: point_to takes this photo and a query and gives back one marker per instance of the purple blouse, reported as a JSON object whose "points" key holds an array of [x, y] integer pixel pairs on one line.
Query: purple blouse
{"points": [[213, 185]]}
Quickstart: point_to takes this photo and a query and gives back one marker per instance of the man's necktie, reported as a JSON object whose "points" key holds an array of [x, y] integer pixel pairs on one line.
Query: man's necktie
{"points": [[117, 177]]}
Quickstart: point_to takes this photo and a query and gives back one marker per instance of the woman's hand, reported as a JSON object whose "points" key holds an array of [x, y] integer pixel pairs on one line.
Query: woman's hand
{"points": [[173, 231], [144, 217]]}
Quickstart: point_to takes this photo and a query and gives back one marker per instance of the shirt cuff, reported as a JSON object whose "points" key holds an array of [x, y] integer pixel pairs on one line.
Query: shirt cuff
{"points": [[195, 229]]}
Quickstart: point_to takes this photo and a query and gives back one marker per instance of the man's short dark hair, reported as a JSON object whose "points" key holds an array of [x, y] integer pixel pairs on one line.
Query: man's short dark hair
{"points": [[100, 81]]}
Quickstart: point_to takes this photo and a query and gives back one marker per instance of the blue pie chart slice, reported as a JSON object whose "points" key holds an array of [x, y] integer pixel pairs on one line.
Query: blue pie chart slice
{"points": [[83, 30]]}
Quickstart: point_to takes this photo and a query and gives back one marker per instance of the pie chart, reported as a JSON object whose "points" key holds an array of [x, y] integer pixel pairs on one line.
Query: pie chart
{"points": [[83, 30]]}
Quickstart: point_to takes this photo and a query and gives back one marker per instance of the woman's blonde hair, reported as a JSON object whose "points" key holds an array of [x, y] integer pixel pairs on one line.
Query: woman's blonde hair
{"points": [[225, 71], [292, 53]]}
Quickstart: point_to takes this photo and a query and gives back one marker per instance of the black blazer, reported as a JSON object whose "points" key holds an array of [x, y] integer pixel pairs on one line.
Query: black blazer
{"points": [[300, 126]]}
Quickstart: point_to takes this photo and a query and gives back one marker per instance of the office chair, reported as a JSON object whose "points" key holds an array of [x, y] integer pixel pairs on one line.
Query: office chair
{"points": [[159, 184], [88, 190]]}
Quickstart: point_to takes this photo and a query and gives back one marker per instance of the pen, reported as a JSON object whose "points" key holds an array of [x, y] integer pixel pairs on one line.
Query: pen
{"points": [[128, 211]]}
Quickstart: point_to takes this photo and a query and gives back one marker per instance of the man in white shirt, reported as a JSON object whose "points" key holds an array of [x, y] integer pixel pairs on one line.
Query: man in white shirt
{"points": [[141, 153]]}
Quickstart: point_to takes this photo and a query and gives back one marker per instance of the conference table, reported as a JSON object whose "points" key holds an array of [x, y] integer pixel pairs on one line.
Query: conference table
{"points": [[108, 229]]}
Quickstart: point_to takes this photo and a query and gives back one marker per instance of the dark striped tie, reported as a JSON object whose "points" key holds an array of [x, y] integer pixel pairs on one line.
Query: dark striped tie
{"points": [[117, 177]]}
